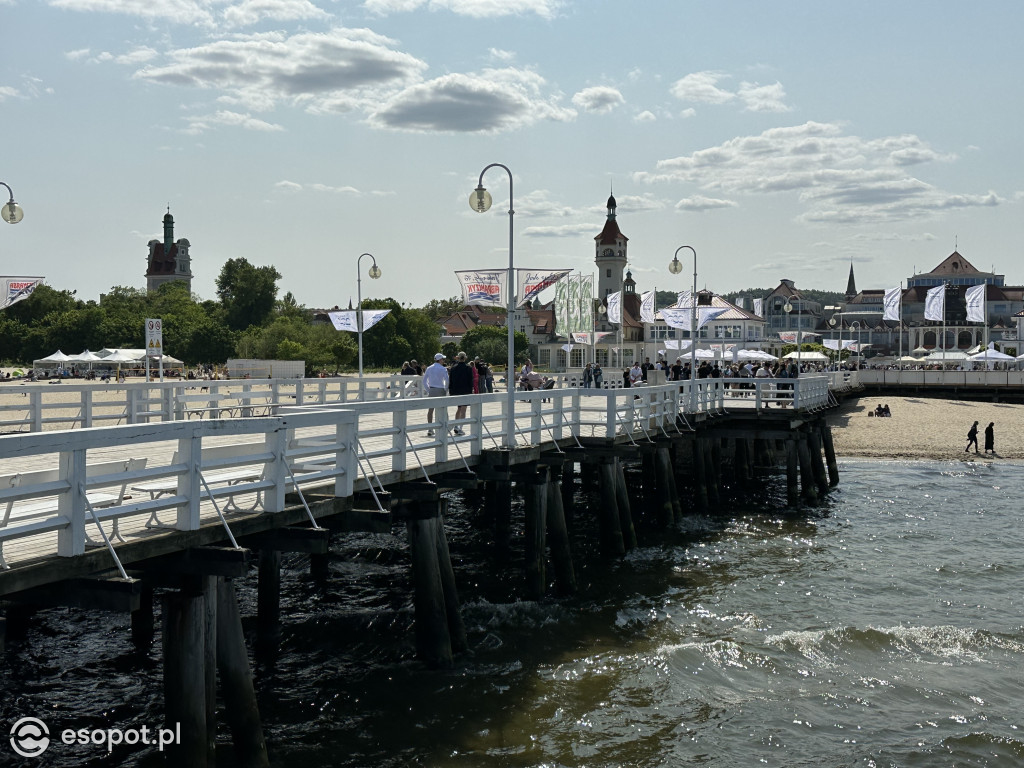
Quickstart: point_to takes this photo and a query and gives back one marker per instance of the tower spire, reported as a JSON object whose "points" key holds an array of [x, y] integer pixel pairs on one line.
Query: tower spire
{"points": [[851, 285]]}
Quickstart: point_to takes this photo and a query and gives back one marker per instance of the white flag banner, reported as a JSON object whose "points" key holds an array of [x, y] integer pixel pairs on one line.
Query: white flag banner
{"points": [[706, 314], [17, 288], [683, 299], [676, 317], [602, 336], [848, 344], [892, 304], [935, 304], [580, 338], [567, 348], [975, 296], [647, 307], [759, 307], [373, 316], [614, 307], [344, 321], [483, 286], [562, 325], [586, 293], [530, 282], [830, 344]]}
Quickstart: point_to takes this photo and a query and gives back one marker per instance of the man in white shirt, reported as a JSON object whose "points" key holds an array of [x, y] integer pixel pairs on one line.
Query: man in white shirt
{"points": [[435, 384], [636, 374]]}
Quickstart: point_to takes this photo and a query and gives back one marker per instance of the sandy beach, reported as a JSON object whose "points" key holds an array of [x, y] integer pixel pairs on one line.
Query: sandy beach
{"points": [[924, 428]]}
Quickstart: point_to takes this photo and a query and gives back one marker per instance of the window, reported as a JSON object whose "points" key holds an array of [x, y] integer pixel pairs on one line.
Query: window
{"points": [[607, 273], [602, 356], [576, 357], [544, 358]]}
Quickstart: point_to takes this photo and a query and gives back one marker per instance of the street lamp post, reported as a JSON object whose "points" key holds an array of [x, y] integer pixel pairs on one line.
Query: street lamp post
{"points": [[787, 308], [480, 201], [675, 267], [11, 212], [839, 348], [374, 274], [860, 354]]}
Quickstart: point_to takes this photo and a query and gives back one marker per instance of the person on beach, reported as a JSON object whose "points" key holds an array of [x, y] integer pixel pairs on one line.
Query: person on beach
{"points": [[990, 437], [972, 437]]}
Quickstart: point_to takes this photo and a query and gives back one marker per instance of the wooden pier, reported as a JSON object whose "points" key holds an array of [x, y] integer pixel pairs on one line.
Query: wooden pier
{"points": [[108, 518]]}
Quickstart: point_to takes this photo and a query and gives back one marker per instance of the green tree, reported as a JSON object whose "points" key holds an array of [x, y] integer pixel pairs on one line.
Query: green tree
{"points": [[491, 343], [247, 293], [439, 309]]}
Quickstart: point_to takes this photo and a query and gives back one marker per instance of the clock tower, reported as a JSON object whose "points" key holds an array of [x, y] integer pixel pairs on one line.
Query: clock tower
{"points": [[610, 255]]}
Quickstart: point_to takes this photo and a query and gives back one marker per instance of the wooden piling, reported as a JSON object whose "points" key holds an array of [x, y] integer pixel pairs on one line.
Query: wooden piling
{"points": [[699, 475], [663, 474], [210, 598], [611, 526], [817, 464], [568, 488], [499, 501], [711, 474], [806, 471], [319, 566], [558, 540], [268, 598], [625, 508], [830, 454], [452, 607], [184, 641], [3, 634], [741, 461], [792, 485], [535, 536], [433, 639], [142, 618], [240, 708]]}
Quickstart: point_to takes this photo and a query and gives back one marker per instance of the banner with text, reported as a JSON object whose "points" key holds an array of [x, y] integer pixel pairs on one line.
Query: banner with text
{"points": [[346, 320], [647, 307], [975, 297], [935, 304], [17, 288], [530, 282], [892, 304], [614, 307], [483, 286]]}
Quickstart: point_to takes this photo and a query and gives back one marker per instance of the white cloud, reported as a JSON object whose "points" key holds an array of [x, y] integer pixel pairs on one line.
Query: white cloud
{"points": [[504, 57], [250, 12], [600, 99], [645, 117], [701, 203], [201, 123], [495, 100], [561, 230], [7, 92], [474, 8], [688, 113], [763, 98], [77, 55], [345, 67], [701, 87], [177, 11], [838, 177]]}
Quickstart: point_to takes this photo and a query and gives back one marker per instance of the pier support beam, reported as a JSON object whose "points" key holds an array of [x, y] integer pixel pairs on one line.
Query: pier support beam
{"points": [[184, 633], [452, 607], [711, 473], [498, 498], [792, 482], [817, 464], [806, 472], [237, 689], [625, 510], [142, 618], [536, 495], [558, 538], [830, 454], [700, 486], [664, 480], [268, 598], [611, 525]]}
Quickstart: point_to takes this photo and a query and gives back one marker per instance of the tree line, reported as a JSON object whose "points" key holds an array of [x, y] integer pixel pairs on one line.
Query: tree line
{"points": [[246, 320]]}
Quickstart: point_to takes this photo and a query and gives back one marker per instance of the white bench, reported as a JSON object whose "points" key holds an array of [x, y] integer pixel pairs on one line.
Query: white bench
{"points": [[31, 498], [226, 476]]}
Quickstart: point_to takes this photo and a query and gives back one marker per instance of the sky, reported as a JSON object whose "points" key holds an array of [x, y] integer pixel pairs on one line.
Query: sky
{"points": [[779, 140]]}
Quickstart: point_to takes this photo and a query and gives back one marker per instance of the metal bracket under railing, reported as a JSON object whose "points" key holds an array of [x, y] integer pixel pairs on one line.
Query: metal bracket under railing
{"points": [[103, 534], [216, 506], [412, 449], [360, 454], [302, 497]]}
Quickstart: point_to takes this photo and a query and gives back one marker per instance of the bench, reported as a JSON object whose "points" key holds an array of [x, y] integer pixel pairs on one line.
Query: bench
{"points": [[31, 498], [215, 475], [214, 404], [201, 405]]}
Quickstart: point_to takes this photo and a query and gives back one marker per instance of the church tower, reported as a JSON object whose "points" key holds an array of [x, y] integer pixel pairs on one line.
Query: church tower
{"points": [[611, 255], [168, 261], [851, 286]]}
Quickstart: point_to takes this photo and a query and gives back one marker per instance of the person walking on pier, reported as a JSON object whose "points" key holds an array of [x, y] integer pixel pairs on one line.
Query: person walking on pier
{"points": [[972, 437], [435, 384], [990, 437], [460, 383]]}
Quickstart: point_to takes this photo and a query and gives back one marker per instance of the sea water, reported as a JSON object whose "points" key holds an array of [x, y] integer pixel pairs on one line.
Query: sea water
{"points": [[885, 628]]}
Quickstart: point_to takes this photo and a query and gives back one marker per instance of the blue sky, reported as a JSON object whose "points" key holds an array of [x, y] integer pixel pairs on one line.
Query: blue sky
{"points": [[781, 140]]}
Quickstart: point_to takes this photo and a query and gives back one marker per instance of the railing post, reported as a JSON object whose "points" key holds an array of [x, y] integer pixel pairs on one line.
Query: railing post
{"points": [[400, 423], [276, 442], [86, 408], [611, 406], [190, 453], [345, 434], [36, 412], [167, 403], [300, 392], [476, 428], [536, 421], [71, 504]]}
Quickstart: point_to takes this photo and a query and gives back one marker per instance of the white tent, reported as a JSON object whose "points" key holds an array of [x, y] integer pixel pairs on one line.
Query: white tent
{"points": [[56, 357], [84, 357], [993, 355], [813, 357]]}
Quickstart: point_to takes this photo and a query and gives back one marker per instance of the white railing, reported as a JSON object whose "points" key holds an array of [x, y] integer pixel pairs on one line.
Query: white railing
{"points": [[994, 379]]}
